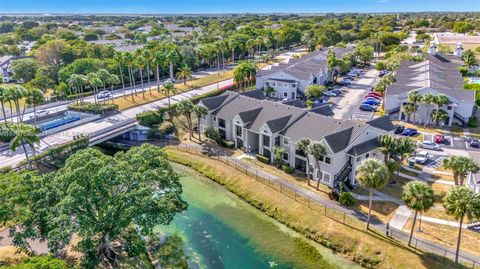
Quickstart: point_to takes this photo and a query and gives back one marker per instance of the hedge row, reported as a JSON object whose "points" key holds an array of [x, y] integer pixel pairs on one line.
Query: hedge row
{"points": [[93, 108], [262, 158]]}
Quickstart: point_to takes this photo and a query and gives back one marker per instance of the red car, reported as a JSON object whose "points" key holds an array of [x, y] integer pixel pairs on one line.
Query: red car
{"points": [[374, 94], [439, 139]]}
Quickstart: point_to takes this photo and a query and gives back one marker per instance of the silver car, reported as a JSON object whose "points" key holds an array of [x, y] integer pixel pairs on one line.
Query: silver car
{"points": [[425, 144]]}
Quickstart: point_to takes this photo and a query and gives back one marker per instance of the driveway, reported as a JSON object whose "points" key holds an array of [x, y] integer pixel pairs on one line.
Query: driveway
{"points": [[346, 106]]}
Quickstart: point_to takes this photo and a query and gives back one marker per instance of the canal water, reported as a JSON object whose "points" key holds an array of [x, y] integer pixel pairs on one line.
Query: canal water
{"points": [[220, 230]]}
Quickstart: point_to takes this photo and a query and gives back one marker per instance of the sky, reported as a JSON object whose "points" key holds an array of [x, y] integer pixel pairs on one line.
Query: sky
{"points": [[233, 6]]}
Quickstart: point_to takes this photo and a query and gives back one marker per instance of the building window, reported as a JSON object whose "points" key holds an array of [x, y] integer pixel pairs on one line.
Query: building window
{"points": [[222, 133], [285, 94], [293, 85], [285, 141], [367, 155], [285, 156], [273, 84], [326, 177], [449, 107], [266, 141], [238, 130], [327, 160], [221, 123], [214, 118], [358, 159]]}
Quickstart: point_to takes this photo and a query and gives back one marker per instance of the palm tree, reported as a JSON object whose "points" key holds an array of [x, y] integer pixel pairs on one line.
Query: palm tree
{"points": [[405, 147], [113, 80], [460, 166], [372, 174], [3, 100], [407, 109], [427, 99], [439, 116], [120, 59], [34, 97], [233, 44], [184, 73], [169, 89], [103, 75], [461, 202], [439, 100], [277, 155], [414, 97], [239, 74], [140, 62], [268, 91], [303, 145], [73, 83], [388, 146], [17, 93], [417, 196], [148, 59], [159, 61], [185, 108], [94, 82], [130, 59], [469, 59], [244, 71], [24, 134], [200, 111], [318, 151], [172, 56]]}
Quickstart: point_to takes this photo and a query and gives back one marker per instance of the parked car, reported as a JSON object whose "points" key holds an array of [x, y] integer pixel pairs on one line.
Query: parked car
{"points": [[104, 95], [474, 143], [439, 139], [379, 100], [367, 107], [329, 93], [373, 94], [410, 132], [422, 157], [42, 113], [336, 91], [399, 129], [371, 102], [425, 144]]}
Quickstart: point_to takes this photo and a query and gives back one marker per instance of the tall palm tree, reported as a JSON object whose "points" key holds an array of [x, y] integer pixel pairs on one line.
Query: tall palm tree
{"points": [[185, 108], [148, 59], [461, 202], [427, 99], [130, 59], [169, 89], [159, 61], [200, 111], [24, 134], [17, 93], [94, 82], [405, 148], [439, 100], [388, 146], [318, 151], [172, 56], [3, 100], [303, 145], [414, 97], [233, 44], [140, 63], [469, 59], [120, 59], [72, 83], [439, 116], [407, 110], [34, 97], [104, 76], [417, 196], [372, 174], [184, 73], [460, 166], [113, 80]]}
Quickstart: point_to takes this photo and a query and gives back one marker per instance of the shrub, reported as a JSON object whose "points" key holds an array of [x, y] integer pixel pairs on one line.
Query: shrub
{"points": [[288, 169], [473, 122], [463, 70], [6, 135], [93, 108], [213, 134], [346, 199], [166, 127], [333, 195], [228, 144], [150, 118], [472, 86], [45, 262], [262, 158]]}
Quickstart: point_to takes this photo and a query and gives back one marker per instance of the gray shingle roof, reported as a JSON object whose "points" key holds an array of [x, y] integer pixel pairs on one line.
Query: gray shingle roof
{"points": [[257, 94], [249, 115], [364, 147], [382, 123], [437, 72], [214, 102], [276, 125], [323, 109]]}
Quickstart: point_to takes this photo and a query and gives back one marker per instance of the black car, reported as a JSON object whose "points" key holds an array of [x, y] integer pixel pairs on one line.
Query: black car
{"points": [[399, 129], [474, 143]]}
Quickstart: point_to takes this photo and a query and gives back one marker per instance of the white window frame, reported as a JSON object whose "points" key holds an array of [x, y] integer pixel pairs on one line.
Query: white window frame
{"points": [[283, 156], [286, 142]]}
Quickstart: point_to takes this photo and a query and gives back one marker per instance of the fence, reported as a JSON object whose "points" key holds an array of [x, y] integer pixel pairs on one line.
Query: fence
{"points": [[337, 213]]}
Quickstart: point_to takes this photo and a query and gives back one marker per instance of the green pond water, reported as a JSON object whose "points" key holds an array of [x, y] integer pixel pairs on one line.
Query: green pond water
{"points": [[222, 231]]}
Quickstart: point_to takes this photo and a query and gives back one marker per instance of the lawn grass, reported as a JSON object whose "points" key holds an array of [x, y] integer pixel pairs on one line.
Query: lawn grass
{"points": [[383, 211], [447, 235], [370, 249]]}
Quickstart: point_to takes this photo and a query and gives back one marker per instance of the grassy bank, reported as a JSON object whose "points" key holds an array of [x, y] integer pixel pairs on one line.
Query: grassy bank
{"points": [[369, 249]]}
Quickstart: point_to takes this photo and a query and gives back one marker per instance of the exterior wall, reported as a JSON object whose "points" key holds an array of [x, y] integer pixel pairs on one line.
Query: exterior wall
{"points": [[472, 184]]}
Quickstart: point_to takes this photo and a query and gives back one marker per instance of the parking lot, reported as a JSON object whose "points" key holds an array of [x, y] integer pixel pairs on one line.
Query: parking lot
{"points": [[346, 105], [452, 143]]}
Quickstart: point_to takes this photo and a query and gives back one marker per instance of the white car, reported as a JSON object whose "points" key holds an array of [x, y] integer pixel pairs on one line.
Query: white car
{"points": [[425, 144], [104, 95], [422, 157], [41, 113], [329, 93]]}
